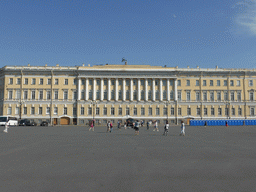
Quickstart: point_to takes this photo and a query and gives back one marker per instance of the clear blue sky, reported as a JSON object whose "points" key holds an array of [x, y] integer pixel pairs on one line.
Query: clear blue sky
{"points": [[160, 32]]}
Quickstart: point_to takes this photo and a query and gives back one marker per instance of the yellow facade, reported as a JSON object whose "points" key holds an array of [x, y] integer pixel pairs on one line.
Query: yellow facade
{"points": [[116, 92]]}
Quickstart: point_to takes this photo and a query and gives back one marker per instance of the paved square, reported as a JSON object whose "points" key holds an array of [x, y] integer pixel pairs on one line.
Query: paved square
{"points": [[74, 159]]}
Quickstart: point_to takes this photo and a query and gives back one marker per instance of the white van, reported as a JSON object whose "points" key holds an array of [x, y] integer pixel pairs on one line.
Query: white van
{"points": [[13, 121]]}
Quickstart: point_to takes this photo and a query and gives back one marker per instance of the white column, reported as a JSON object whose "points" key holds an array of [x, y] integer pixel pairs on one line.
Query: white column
{"points": [[139, 90], [168, 89], [146, 89], [94, 90], [109, 91], [86, 89], [161, 90], [79, 89], [131, 89], [175, 90], [101, 89], [116, 89], [154, 90], [124, 90]]}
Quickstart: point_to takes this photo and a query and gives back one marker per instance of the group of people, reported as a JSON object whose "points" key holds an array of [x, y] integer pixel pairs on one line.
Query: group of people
{"points": [[137, 125]]}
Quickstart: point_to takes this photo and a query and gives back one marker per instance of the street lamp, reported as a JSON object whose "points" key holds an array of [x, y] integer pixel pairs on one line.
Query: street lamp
{"points": [[21, 103], [93, 110]]}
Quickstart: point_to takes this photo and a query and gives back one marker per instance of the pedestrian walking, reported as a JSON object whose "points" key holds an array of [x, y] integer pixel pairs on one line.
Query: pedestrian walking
{"points": [[166, 128], [108, 126], [136, 127], [156, 126], [111, 127], [226, 124], [119, 125], [125, 125], [91, 126], [147, 125], [205, 124], [182, 129], [6, 128]]}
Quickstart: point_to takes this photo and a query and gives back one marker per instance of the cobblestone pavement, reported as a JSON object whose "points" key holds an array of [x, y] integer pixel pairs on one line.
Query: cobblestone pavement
{"points": [[70, 158]]}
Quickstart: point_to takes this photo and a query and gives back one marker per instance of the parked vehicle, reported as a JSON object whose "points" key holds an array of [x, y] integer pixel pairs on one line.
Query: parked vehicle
{"points": [[9, 120], [44, 123], [27, 122]]}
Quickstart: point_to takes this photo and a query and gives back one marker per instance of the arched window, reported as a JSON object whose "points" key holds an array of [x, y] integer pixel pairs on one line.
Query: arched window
{"points": [[164, 95], [120, 95], [135, 95], [149, 95], [171, 94]]}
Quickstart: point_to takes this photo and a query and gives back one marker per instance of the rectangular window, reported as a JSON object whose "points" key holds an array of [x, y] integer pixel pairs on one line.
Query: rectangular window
{"points": [[156, 82], [239, 111], [232, 96], [66, 82], [120, 95], [41, 95], [251, 96], [65, 111], [231, 82], [212, 111], [18, 94], [105, 94], [218, 82], [165, 111], [211, 82], [238, 96], [11, 81], [212, 96], [226, 111], [135, 111], [157, 111], [105, 111], [188, 111], [171, 82], [74, 95], [48, 95], [56, 82], [82, 111], [219, 111], [89, 111], [26, 81], [40, 110], [18, 81], [179, 95], [47, 110], [119, 82], [219, 96], [198, 111], [112, 111], [41, 81], [120, 111], [205, 96], [83, 95], [74, 111], [90, 95], [9, 111], [105, 82], [83, 82], [55, 111], [178, 83], [172, 111], [233, 111], [238, 83], [17, 110], [97, 110], [225, 83], [197, 96], [250, 83], [188, 95], [149, 82], [142, 112], [97, 82], [33, 95], [25, 110], [150, 111], [204, 82], [25, 94], [197, 82], [225, 95], [205, 111], [127, 82], [74, 81], [65, 95], [33, 81], [49, 81], [179, 111], [112, 95], [142, 82], [127, 111], [10, 95], [188, 82], [112, 82]]}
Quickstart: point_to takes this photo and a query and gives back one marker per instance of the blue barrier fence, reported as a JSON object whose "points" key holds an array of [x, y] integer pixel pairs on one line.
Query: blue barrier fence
{"points": [[222, 122]]}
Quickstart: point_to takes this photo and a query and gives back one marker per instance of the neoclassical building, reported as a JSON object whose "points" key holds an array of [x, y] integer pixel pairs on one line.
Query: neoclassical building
{"points": [[75, 95]]}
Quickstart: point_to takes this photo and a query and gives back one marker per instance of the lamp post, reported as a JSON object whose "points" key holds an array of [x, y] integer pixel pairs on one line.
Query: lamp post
{"points": [[21, 103], [93, 110], [167, 110]]}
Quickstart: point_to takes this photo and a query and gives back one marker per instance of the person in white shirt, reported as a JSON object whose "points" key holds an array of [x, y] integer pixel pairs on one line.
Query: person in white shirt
{"points": [[182, 129], [156, 127], [166, 128], [6, 128]]}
